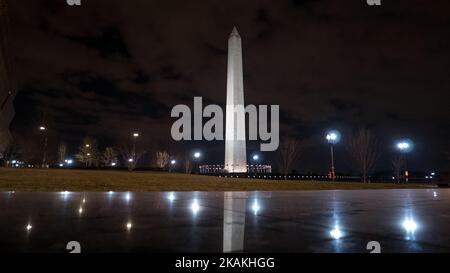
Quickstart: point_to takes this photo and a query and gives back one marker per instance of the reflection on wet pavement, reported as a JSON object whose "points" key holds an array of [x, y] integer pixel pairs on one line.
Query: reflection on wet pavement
{"points": [[309, 221]]}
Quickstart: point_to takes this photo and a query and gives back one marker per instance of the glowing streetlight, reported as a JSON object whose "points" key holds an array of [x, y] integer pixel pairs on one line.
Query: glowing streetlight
{"points": [[135, 134], [87, 145], [197, 155], [173, 162], [113, 164], [255, 157], [129, 225], [42, 128], [403, 146], [28, 227], [333, 137], [130, 160]]}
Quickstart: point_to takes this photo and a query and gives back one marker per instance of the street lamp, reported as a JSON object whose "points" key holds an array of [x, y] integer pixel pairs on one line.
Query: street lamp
{"points": [[44, 152], [135, 136], [172, 164], [405, 146], [333, 137], [255, 157], [197, 156]]}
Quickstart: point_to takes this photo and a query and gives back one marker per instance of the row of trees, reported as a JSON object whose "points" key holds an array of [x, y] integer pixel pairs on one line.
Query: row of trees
{"points": [[128, 155], [363, 149], [88, 155]]}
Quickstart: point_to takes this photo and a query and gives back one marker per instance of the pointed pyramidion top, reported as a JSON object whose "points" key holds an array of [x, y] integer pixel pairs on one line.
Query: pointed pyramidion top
{"points": [[234, 32]]}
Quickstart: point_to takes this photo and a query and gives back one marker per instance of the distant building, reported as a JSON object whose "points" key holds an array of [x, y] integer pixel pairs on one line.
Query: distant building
{"points": [[7, 91]]}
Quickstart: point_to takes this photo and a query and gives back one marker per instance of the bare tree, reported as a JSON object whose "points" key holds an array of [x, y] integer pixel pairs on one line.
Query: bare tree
{"points": [[162, 159], [88, 152], [109, 156], [397, 164], [188, 164], [131, 156], [62, 149], [364, 150], [288, 152], [10, 153]]}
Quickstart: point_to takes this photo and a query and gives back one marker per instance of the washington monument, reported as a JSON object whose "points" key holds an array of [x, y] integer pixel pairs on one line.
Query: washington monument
{"points": [[235, 148]]}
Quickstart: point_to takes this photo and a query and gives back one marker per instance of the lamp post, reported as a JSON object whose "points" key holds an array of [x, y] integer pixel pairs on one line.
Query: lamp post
{"points": [[43, 129], [172, 164], [255, 159], [135, 136], [197, 156], [405, 146], [332, 138]]}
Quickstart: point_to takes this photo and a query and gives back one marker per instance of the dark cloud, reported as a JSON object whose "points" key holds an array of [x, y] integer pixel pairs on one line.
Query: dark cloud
{"points": [[107, 42], [110, 66]]}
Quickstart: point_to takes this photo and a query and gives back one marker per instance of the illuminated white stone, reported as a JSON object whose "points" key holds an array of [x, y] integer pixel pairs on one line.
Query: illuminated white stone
{"points": [[235, 147]]}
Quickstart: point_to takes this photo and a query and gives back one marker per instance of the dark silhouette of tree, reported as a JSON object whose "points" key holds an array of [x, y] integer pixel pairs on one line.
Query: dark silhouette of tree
{"points": [[162, 159], [62, 150], [131, 156], [109, 157], [288, 152], [88, 152], [364, 150], [397, 164]]}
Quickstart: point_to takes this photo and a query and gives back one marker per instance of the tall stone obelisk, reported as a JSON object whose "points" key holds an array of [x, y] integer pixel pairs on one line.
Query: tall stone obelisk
{"points": [[235, 148]]}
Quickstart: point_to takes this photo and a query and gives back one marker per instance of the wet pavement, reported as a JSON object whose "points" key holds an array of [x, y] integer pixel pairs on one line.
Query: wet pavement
{"points": [[307, 221]]}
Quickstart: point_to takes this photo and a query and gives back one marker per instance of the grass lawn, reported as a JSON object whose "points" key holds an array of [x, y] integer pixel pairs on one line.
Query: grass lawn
{"points": [[99, 180]]}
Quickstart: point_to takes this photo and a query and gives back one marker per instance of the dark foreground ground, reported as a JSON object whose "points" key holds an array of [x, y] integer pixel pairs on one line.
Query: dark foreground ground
{"points": [[400, 220], [96, 180]]}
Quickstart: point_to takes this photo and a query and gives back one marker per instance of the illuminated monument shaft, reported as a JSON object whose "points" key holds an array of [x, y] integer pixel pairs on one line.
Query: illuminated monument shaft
{"points": [[235, 149]]}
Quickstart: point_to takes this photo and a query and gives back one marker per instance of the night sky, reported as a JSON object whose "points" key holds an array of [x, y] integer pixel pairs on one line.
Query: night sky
{"points": [[111, 66]]}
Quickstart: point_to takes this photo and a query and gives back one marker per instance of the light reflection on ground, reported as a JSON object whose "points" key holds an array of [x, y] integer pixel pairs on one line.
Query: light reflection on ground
{"points": [[309, 221]]}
